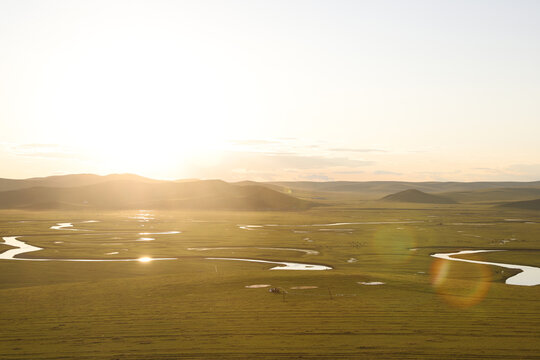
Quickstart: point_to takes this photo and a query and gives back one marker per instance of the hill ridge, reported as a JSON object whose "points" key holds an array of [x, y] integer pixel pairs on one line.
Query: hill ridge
{"points": [[417, 196], [136, 194], [526, 204]]}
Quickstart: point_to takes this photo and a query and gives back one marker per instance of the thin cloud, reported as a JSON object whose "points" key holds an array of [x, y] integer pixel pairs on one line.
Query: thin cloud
{"points": [[438, 175], [36, 146], [349, 172], [526, 168], [358, 150], [316, 177], [489, 170], [251, 142], [289, 161], [271, 165], [52, 151], [384, 172]]}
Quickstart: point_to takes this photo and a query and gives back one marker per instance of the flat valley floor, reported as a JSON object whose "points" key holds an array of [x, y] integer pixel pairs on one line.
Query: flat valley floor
{"points": [[385, 297]]}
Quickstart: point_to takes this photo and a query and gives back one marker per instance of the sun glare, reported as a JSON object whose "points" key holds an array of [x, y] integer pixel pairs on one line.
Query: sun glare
{"points": [[148, 153], [145, 259]]}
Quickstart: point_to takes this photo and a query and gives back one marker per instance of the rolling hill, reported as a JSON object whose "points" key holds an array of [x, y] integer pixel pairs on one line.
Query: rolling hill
{"points": [[527, 204], [119, 191], [71, 180], [417, 196], [377, 189], [494, 195], [141, 194]]}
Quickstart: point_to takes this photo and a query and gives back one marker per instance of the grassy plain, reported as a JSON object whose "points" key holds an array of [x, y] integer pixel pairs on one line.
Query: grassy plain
{"points": [[194, 308]]}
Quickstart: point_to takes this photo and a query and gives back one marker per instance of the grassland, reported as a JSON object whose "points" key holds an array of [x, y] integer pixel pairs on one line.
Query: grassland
{"points": [[193, 308]]}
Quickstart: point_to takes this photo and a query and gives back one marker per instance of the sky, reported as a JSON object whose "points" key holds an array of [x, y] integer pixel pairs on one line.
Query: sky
{"points": [[315, 90]]}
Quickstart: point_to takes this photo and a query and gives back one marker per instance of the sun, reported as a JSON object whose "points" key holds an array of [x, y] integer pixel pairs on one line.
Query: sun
{"points": [[167, 153], [144, 259]]}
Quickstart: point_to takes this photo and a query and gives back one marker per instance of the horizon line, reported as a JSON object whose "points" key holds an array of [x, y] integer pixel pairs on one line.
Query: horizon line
{"points": [[266, 181]]}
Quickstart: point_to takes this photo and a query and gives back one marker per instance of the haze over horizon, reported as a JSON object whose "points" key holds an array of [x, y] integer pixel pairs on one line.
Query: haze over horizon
{"points": [[271, 90]]}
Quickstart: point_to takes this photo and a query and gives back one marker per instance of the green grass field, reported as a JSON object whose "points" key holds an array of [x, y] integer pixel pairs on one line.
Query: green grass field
{"points": [[194, 308]]}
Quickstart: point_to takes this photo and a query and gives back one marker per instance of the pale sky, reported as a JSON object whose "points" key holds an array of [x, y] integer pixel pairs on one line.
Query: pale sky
{"points": [[271, 90]]}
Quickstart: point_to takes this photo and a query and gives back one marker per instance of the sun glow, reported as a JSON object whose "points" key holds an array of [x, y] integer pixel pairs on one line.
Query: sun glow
{"points": [[156, 150], [145, 259]]}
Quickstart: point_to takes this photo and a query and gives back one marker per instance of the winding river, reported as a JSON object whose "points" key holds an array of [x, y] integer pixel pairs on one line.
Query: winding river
{"points": [[283, 265], [254, 227], [529, 275], [306, 251], [21, 247], [63, 226]]}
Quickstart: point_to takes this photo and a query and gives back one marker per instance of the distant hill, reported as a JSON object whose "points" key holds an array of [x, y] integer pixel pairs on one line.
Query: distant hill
{"points": [[527, 204], [266, 185], [417, 196], [72, 180], [128, 191], [493, 195], [138, 193], [377, 189], [374, 189]]}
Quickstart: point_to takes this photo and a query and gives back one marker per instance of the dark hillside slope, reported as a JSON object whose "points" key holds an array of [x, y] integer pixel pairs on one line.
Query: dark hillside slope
{"points": [[492, 195], [72, 180], [382, 188], [126, 194], [527, 205], [417, 196]]}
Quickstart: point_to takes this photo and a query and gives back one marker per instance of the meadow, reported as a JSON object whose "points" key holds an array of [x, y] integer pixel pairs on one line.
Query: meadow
{"points": [[197, 308]]}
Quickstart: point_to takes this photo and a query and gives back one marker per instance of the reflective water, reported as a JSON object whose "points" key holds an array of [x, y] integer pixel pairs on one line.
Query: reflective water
{"points": [[529, 275], [283, 265], [303, 287], [253, 227], [160, 233], [145, 239], [22, 247], [63, 226], [309, 252], [371, 283]]}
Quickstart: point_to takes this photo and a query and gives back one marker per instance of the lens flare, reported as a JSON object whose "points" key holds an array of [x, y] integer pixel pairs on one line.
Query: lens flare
{"points": [[459, 284], [145, 259]]}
